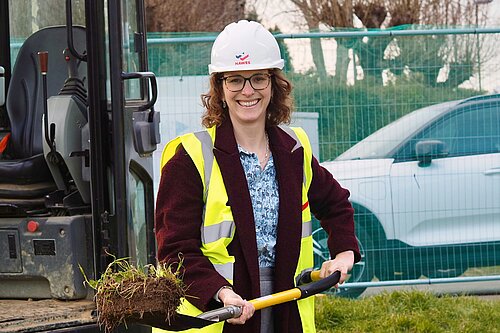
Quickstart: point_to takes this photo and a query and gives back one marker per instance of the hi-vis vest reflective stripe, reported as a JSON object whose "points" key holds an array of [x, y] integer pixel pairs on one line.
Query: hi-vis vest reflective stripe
{"points": [[218, 226]]}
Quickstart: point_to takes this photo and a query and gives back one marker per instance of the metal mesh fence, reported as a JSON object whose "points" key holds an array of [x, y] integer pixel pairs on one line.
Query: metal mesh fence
{"points": [[425, 185]]}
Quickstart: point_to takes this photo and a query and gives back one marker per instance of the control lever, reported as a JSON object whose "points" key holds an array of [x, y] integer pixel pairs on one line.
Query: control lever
{"points": [[73, 85], [43, 58], [52, 156]]}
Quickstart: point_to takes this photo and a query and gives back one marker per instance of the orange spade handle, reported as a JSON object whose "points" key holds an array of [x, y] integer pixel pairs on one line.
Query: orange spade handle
{"points": [[315, 276], [301, 291], [278, 298]]}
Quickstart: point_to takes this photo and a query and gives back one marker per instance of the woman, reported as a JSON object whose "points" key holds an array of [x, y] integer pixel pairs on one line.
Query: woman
{"points": [[235, 201]]}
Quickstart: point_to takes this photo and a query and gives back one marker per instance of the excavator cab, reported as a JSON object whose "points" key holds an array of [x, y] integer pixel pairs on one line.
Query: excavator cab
{"points": [[25, 174], [76, 141]]}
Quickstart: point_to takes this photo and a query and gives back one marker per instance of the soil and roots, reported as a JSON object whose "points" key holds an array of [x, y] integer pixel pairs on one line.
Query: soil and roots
{"points": [[124, 293]]}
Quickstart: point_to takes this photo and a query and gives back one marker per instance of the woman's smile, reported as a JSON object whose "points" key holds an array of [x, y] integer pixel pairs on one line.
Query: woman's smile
{"points": [[248, 104]]}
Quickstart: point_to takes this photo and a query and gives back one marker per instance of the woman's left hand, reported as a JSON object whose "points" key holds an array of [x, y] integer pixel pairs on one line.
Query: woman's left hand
{"points": [[343, 262]]}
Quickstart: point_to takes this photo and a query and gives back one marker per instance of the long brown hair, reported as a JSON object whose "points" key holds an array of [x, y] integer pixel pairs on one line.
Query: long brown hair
{"points": [[279, 110]]}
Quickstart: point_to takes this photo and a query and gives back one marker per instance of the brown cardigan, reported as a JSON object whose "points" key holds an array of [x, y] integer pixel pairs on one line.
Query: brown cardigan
{"points": [[179, 214]]}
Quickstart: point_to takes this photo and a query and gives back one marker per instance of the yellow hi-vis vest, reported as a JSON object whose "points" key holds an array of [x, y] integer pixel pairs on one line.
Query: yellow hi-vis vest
{"points": [[218, 228]]}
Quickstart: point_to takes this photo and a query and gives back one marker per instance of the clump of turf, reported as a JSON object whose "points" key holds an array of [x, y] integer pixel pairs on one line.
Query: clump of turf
{"points": [[124, 293]]}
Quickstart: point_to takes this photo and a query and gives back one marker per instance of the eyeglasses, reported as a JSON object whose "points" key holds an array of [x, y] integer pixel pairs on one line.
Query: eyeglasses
{"points": [[236, 83]]}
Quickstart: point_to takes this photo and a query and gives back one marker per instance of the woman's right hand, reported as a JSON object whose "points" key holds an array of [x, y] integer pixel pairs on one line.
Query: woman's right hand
{"points": [[229, 297]]}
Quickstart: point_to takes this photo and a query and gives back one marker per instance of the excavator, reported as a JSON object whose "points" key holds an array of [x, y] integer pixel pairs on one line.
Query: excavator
{"points": [[78, 129]]}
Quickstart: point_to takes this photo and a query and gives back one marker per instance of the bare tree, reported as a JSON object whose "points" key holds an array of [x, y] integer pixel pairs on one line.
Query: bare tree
{"points": [[459, 54], [164, 16], [370, 51], [338, 14], [333, 13], [446, 12], [405, 12], [310, 10], [372, 14], [190, 16]]}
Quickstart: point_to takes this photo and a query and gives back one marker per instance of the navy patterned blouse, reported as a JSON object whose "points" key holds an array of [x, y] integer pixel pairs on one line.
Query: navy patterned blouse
{"points": [[263, 189]]}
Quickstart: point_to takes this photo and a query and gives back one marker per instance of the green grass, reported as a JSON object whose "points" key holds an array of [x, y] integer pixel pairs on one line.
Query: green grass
{"points": [[407, 311]]}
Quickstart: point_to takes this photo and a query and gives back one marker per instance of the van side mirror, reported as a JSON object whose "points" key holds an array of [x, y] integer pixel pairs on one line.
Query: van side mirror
{"points": [[2, 86], [427, 150]]}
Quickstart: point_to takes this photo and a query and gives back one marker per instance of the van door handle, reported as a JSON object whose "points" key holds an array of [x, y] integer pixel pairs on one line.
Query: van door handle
{"points": [[492, 171]]}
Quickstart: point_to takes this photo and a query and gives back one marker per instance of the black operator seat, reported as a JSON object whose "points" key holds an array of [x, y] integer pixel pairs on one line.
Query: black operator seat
{"points": [[24, 173]]}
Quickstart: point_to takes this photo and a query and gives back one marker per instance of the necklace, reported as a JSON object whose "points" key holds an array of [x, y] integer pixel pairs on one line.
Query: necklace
{"points": [[266, 155]]}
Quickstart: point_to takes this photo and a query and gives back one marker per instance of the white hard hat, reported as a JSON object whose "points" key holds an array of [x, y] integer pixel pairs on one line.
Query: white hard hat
{"points": [[245, 45]]}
